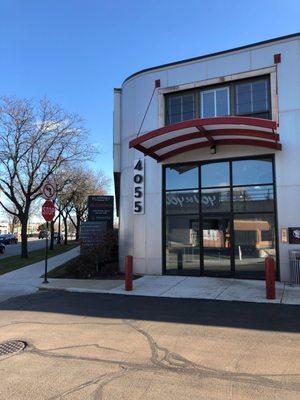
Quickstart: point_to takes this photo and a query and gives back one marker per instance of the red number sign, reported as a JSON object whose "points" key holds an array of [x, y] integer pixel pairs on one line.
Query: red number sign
{"points": [[48, 210]]}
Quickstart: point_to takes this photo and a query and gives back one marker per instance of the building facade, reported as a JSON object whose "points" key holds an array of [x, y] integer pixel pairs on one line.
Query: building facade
{"points": [[206, 162]]}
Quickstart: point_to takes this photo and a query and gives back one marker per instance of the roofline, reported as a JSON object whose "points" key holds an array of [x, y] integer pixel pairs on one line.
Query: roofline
{"points": [[247, 46]]}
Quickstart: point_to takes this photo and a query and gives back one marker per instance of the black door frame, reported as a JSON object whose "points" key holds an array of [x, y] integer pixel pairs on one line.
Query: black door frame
{"points": [[231, 213], [225, 215]]}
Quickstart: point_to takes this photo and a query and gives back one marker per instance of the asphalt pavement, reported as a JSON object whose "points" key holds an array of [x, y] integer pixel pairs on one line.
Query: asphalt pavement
{"points": [[15, 249], [100, 346]]}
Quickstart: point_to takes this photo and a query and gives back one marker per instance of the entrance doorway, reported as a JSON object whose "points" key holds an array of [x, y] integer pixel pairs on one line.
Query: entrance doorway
{"points": [[219, 217], [217, 248]]}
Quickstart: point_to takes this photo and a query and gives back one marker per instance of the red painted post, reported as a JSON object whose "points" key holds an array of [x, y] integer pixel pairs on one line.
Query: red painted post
{"points": [[270, 278], [128, 273]]}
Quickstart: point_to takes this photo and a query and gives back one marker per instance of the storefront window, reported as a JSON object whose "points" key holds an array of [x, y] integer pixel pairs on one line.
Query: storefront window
{"points": [[231, 230], [254, 241], [253, 198], [182, 244], [182, 177], [252, 172], [182, 202], [215, 200], [215, 174]]}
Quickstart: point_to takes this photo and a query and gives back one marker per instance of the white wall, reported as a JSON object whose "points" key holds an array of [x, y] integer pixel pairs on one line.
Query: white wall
{"points": [[140, 235]]}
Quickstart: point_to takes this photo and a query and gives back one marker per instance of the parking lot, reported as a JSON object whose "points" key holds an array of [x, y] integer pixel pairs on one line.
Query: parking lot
{"points": [[97, 346]]}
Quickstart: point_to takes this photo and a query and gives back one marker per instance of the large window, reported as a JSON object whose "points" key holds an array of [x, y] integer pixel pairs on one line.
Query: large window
{"points": [[244, 98], [219, 217]]}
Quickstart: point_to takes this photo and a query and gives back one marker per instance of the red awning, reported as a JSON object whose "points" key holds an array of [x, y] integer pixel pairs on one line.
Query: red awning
{"points": [[181, 137]]}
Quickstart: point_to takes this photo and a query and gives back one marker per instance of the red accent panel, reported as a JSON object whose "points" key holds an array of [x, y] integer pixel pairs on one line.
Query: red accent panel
{"points": [[215, 132], [277, 58], [248, 142], [157, 83], [258, 122]]}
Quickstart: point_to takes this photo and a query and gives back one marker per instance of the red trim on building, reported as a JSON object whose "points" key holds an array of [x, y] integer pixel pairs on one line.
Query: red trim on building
{"points": [[206, 130], [224, 142]]}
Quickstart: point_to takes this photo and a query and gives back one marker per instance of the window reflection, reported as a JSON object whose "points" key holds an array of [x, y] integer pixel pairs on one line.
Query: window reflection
{"points": [[254, 241], [249, 172], [215, 200], [184, 202], [215, 174], [182, 244], [253, 198], [182, 177]]}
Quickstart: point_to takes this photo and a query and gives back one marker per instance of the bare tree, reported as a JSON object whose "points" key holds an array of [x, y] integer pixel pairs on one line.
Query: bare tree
{"points": [[36, 140], [87, 182], [13, 220]]}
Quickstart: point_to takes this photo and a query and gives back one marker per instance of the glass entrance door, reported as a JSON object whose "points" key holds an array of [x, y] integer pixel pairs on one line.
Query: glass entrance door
{"points": [[217, 247]]}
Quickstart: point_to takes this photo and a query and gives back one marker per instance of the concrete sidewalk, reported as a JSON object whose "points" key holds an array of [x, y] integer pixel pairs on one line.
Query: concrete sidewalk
{"points": [[26, 280], [184, 287]]}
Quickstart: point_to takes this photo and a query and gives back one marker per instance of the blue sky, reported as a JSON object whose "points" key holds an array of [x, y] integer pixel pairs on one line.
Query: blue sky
{"points": [[77, 51]]}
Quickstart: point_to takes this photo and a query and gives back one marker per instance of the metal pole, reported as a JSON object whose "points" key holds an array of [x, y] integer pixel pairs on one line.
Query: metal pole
{"points": [[59, 228], [46, 255]]}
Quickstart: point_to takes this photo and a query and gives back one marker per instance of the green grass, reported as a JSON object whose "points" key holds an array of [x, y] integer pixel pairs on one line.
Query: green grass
{"points": [[8, 264]]}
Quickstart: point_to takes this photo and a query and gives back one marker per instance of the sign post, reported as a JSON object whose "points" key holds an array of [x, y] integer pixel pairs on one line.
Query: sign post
{"points": [[48, 212]]}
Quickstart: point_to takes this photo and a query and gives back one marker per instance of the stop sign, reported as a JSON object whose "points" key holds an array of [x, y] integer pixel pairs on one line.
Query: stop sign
{"points": [[48, 210]]}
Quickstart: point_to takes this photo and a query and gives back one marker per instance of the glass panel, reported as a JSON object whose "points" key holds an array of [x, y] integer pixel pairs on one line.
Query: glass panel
{"points": [[243, 103], [182, 177], [187, 107], [182, 244], [254, 241], [253, 198], [186, 202], [222, 102], [207, 104], [174, 109], [251, 172], [215, 174], [216, 245], [260, 96], [216, 200]]}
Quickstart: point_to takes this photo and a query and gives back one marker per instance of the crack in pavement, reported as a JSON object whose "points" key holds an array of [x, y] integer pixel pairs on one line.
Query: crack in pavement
{"points": [[161, 358]]}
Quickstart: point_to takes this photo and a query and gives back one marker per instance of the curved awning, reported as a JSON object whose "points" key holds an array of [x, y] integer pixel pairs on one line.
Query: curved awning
{"points": [[181, 137]]}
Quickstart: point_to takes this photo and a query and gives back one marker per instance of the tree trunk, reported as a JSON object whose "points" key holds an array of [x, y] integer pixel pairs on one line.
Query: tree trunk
{"points": [[24, 248], [77, 227], [66, 230], [51, 235], [59, 229]]}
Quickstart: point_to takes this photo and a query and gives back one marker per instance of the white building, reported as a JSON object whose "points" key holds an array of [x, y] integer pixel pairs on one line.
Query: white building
{"points": [[223, 128]]}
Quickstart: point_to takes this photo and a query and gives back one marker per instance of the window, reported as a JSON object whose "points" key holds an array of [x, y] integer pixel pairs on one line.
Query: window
{"points": [[180, 108], [215, 174], [214, 103], [222, 222], [248, 97], [182, 177], [252, 172], [252, 98]]}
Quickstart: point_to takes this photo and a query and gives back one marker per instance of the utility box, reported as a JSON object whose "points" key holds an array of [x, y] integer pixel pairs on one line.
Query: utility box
{"points": [[295, 266]]}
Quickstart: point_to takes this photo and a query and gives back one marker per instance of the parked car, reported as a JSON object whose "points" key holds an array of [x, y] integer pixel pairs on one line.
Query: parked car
{"points": [[56, 236], [8, 238], [2, 248], [43, 234]]}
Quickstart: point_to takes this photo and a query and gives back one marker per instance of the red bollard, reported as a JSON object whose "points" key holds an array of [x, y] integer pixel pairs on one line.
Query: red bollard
{"points": [[128, 273], [270, 278]]}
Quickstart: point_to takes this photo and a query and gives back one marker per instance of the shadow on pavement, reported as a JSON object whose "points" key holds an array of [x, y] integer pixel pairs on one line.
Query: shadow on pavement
{"points": [[269, 317]]}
